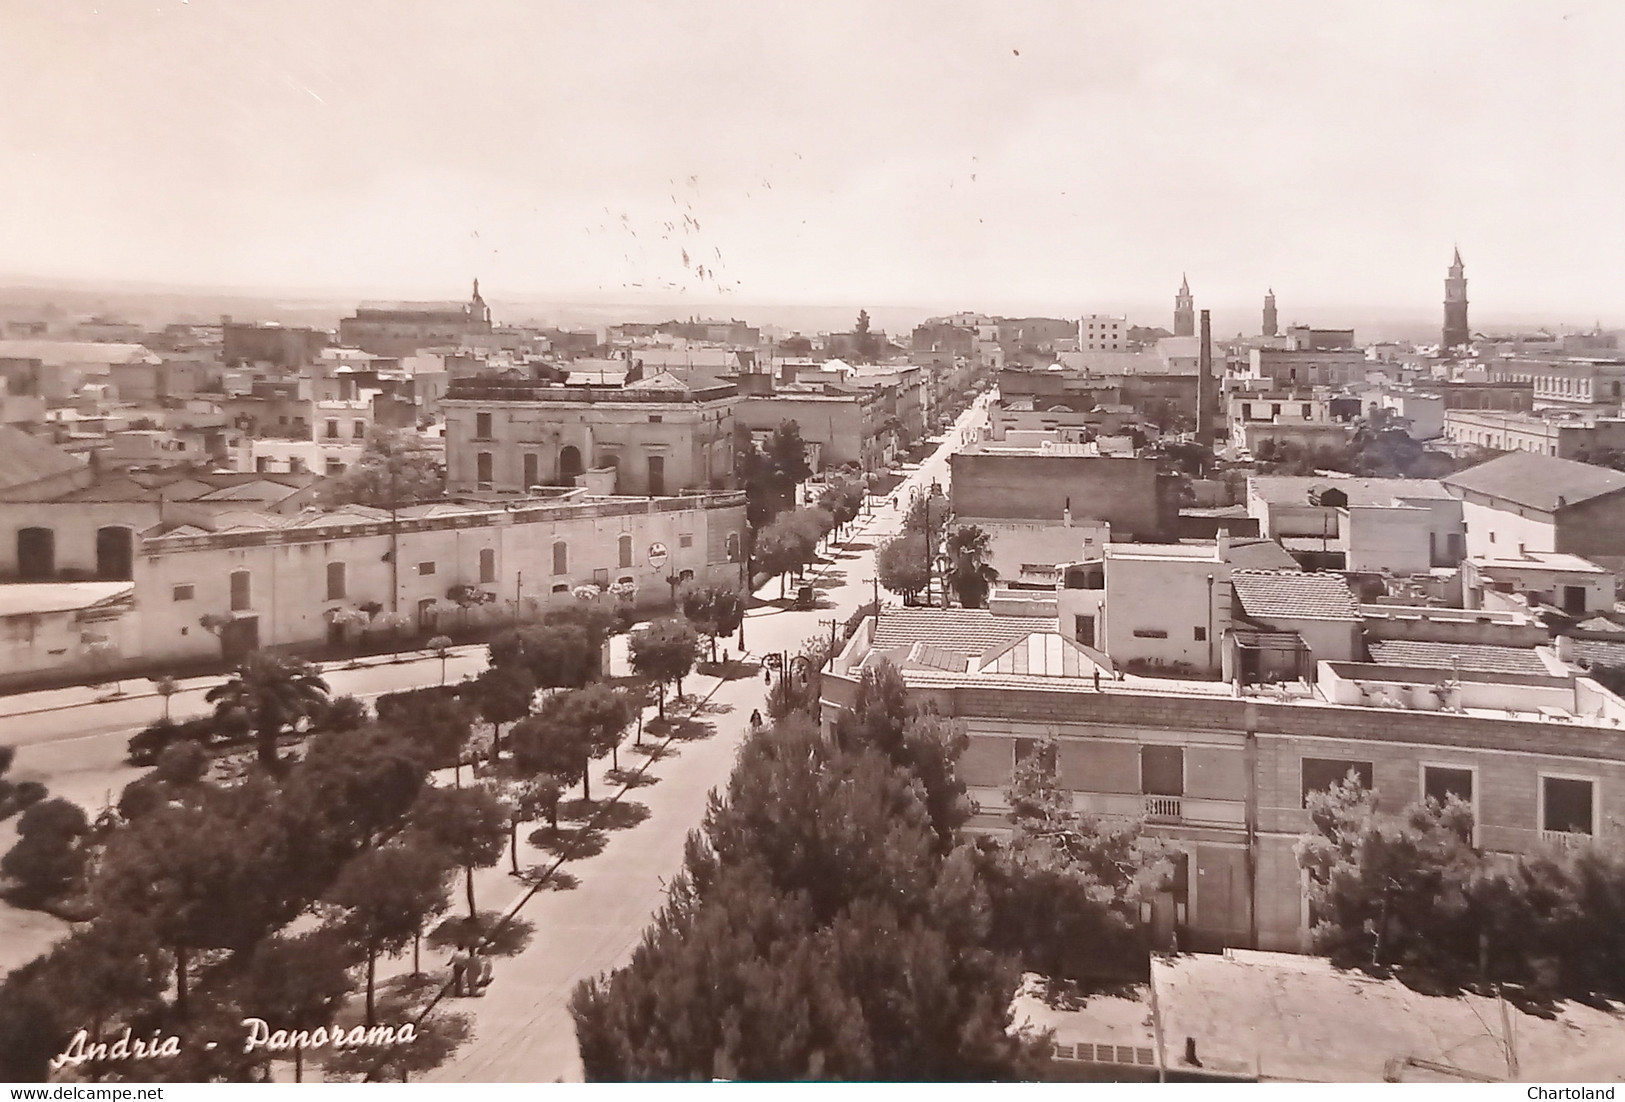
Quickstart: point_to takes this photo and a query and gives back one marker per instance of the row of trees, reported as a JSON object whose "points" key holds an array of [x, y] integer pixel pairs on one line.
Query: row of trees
{"points": [[194, 888], [191, 886], [833, 921], [905, 563], [1411, 889]]}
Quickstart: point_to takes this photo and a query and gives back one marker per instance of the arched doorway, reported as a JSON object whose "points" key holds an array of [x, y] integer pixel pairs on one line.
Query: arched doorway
{"points": [[36, 554], [569, 464], [115, 551]]}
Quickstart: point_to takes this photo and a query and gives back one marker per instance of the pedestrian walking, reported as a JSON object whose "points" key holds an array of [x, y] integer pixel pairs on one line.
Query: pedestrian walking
{"points": [[460, 961], [480, 973], [755, 720], [1097, 679], [767, 676]]}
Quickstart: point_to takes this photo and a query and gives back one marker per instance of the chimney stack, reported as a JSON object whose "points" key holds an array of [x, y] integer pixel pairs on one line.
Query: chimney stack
{"points": [[1204, 385]]}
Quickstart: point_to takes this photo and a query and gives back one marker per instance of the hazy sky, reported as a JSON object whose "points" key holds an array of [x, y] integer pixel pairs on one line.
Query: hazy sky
{"points": [[1004, 156]]}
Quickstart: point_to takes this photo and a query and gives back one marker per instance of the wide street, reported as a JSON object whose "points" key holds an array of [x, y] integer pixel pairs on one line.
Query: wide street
{"points": [[585, 922], [523, 1031]]}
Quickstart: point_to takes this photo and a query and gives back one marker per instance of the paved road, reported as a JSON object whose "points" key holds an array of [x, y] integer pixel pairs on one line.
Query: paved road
{"points": [[77, 750], [523, 1030]]}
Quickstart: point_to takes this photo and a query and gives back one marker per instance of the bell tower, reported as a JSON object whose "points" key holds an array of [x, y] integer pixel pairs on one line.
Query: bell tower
{"points": [[1272, 327], [1184, 310], [1456, 334]]}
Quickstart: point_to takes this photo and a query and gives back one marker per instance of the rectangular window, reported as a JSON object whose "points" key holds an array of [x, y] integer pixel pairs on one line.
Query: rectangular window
{"points": [[1320, 774], [533, 474], [1440, 782], [488, 564], [335, 466], [425, 568], [181, 593], [240, 591], [359, 430], [1150, 633], [685, 540], [482, 426], [1568, 805], [1084, 630], [656, 418], [482, 467], [1201, 635], [624, 547], [335, 581], [1162, 770], [332, 430]]}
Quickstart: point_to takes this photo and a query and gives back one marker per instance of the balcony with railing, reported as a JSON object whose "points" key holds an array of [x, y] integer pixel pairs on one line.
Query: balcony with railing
{"points": [[1565, 839], [1163, 809]]}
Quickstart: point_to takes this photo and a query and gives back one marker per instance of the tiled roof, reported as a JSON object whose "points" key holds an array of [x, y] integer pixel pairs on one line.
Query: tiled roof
{"points": [[967, 631], [1285, 593], [1259, 555], [1541, 482], [1295, 490], [1443, 656], [25, 458]]}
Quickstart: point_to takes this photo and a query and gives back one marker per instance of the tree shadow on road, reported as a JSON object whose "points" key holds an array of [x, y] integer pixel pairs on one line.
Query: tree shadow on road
{"points": [[607, 816], [631, 778], [555, 881], [494, 936], [571, 842], [654, 751], [692, 730], [712, 708]]}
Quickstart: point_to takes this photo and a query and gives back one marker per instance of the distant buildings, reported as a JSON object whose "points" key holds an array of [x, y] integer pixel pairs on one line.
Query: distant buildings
{"points": [[1580, 438], [402, 328], [268, 343], [1102, 333]]}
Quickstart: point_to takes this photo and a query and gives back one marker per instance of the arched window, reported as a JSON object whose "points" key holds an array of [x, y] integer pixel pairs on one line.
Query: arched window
{"points": [[625, 545], [561, 557], [569, 464]]}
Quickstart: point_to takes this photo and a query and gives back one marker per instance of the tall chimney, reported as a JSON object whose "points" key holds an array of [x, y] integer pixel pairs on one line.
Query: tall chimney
{"points": [[1204, 385]]}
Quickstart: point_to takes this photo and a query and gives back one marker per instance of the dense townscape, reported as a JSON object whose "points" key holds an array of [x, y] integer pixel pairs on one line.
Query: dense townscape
{"points": [[1066, 669], [834, 543]]}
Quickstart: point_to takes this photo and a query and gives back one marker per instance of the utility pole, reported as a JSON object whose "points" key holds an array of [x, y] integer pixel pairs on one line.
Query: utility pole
{"points": [[518, 595], [833, 624], [394, 537]]}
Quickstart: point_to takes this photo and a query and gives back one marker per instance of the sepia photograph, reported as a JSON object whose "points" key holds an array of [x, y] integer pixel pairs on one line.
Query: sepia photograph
{"points": [[906, 541]]}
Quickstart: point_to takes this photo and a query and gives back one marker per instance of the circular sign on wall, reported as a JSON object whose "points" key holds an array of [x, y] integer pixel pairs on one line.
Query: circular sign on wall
{"points": [[657, 555]]}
